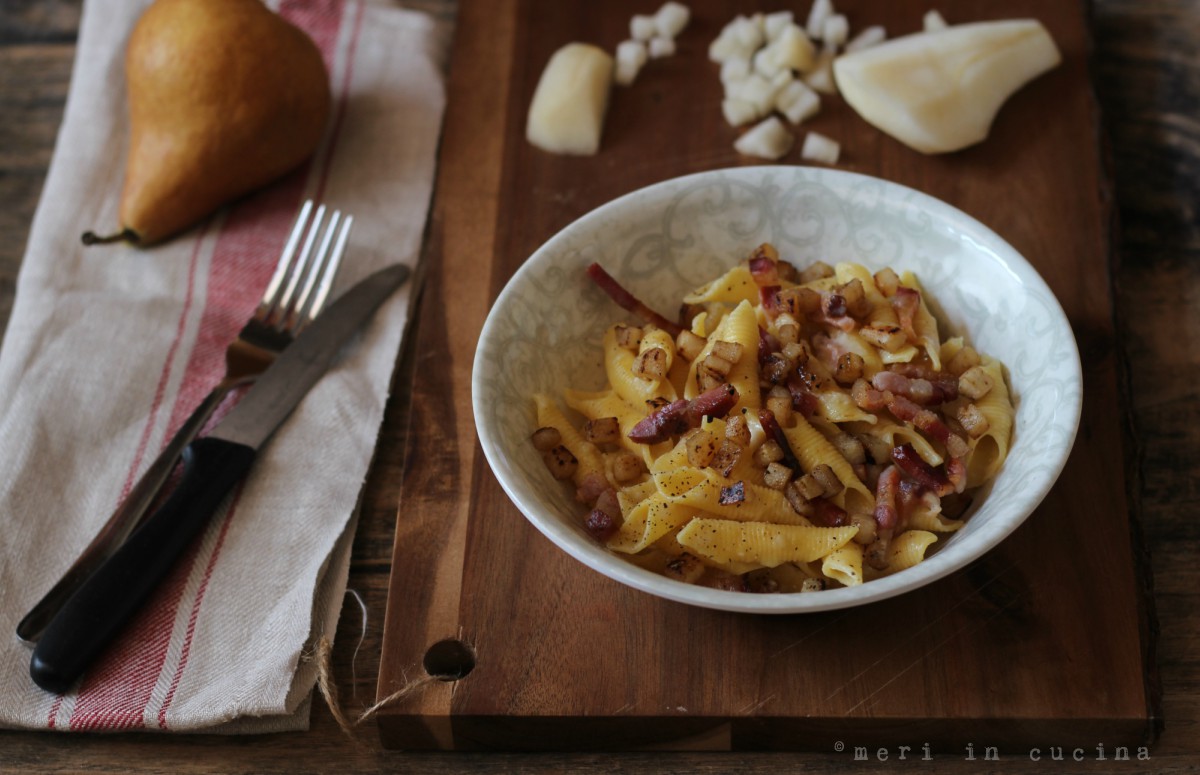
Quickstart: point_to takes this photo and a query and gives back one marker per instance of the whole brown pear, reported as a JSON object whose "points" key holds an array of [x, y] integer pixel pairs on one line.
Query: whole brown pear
{"points": [[224, 97]]}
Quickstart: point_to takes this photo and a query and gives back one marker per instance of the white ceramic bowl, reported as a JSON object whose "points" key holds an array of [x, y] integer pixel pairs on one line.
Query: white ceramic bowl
{"points": [[544, 332]]}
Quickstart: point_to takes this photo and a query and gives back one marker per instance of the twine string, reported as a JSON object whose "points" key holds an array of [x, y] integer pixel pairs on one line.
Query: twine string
{"points": [[362, 636], [328, 687], [329, 690]]}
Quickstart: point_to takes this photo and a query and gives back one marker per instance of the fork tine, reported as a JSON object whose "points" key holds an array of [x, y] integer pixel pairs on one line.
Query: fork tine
{"points": [[302, 313], [268, 301], [283, 302], [329, 272]]}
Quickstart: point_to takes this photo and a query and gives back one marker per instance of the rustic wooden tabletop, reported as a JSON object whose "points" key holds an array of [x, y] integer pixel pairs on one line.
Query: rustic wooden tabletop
{"points": [[1147, 78]]}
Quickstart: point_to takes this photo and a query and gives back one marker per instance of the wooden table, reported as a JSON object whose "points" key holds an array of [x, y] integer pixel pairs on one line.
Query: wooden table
{"points": [[1147, 75]]}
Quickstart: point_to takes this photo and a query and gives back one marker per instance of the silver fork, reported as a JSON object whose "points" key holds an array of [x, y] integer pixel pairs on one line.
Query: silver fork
{"points": [[294, 296]]}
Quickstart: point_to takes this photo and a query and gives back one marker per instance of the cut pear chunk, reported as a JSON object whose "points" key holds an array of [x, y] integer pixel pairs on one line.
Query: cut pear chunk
{"points": [[671, 18], [660, 47], [870, 36], [738, 112], [642, 27], [776, 23], [792, 49], [631, 57], [567, 111], [939, 91], [818, 147], [768, 139], [797, 102]]}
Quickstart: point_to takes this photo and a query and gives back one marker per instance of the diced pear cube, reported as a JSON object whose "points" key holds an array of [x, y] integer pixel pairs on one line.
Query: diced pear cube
{"points": [[765, 63], [821, 76], [734, 69], [797, 102], [660, 47], [820, 11], [869, 36], [738, 112], [631, 56], [835, 30], [794, 50], [748, 30], [671, 19], [818, 147], [933, 21], [756, 90], [728, 46], [776, 23], [769, 139], [642, 27]]}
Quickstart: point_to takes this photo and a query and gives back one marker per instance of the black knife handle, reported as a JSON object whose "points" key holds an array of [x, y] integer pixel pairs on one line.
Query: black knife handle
{"points": [[106, 602], [124, 520]]}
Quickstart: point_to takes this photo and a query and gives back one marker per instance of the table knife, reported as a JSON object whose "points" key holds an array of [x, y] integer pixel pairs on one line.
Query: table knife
{"points": [[212, 466]]}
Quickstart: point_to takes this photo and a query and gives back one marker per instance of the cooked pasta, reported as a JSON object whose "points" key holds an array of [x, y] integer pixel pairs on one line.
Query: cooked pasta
{"points": [[796, 430], [990, 449]]}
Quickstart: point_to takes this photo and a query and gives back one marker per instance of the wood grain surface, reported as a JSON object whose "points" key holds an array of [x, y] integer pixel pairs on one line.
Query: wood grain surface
{"points": [[982, 654], [1147, 75]]}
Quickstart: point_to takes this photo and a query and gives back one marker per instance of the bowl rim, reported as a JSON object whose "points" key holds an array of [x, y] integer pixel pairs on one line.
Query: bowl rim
{"points": [[954, 557]]}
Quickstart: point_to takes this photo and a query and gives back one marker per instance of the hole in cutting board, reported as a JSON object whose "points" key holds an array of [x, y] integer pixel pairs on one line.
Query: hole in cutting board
{"points": [[449, 660]]}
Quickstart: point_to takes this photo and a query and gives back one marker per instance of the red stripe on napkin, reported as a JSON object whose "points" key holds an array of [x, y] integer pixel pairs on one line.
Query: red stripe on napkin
{"points": [[85, 713], [116, 692], [340, 114], [166, 372], [195, 614]]}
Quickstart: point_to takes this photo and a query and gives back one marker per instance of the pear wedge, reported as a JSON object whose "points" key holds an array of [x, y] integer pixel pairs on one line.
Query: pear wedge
{"points": [[224, 97], [939, 91]]}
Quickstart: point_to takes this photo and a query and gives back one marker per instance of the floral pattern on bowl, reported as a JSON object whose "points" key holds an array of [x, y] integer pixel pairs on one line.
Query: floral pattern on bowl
{"points": [[544, 332]]}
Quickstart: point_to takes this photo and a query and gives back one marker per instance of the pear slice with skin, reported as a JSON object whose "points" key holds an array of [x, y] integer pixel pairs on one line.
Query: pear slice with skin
{"points": [[225, 96], [939, 91]]}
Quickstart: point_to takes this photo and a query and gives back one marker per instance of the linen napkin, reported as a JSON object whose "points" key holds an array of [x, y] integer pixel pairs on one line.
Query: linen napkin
{"points": [[110, 347]]}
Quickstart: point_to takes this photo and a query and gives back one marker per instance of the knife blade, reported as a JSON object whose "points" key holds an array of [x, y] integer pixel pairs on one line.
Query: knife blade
{"points": [[212, 466]]}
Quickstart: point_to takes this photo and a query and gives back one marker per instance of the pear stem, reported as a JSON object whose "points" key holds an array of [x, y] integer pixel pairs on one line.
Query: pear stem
{"points": [[91, 238]]}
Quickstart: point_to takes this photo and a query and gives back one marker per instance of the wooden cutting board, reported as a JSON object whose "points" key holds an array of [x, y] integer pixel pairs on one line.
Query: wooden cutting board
{"points": [[1046, 641]]}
